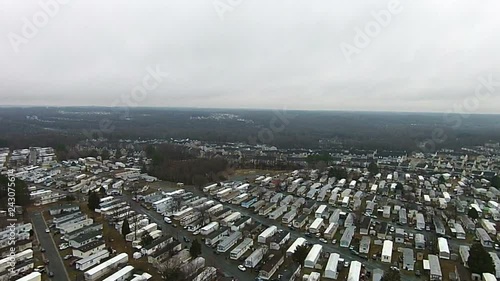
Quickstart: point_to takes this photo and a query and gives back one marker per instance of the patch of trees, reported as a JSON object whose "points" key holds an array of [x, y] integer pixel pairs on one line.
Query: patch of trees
{"points": [[338, 173], [16, 187], [391, 275], [179, 164]]}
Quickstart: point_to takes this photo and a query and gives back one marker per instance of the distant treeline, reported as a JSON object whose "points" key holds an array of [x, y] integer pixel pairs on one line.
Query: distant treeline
{"points": [[292, 129]]}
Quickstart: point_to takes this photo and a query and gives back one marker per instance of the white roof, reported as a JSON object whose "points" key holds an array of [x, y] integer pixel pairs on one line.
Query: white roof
{"points": [[313, 255], [354, 271], [31, 276], [435, 266], [331, 266], [321, 209], [120, 273], [316, 223], [268, 232], [443, 245], [298, 242], [107, 263], [387, 248]]}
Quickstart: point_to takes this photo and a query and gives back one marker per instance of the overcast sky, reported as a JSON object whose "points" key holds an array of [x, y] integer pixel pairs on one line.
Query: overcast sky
{"points": [[252, 53]]}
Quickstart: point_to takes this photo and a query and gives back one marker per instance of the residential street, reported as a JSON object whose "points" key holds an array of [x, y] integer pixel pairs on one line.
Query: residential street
{"points": [[229, 267], [56, 264]]}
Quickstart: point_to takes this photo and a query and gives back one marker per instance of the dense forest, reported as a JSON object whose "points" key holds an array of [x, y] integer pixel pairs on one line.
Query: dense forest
{"points": [[179, 164], [24, 127]]}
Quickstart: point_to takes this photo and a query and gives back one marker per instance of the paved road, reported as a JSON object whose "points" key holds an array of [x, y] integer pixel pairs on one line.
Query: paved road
{"points": [[229, 267], [56, 264]]}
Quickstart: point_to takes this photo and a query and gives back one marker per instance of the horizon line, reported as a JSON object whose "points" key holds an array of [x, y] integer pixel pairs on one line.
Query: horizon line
{"points": [[245, 108]]}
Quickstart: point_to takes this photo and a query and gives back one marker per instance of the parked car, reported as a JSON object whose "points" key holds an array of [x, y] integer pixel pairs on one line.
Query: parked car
{"points": [[323, 240], [334, 241], [242, 267], [47, 230]]}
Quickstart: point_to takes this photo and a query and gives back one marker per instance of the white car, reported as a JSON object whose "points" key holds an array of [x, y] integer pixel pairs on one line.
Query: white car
{"points": [[334, 241], [323, 240], [63, 246], [196, 232], [242, 267], [167, 220], [47, 230]]}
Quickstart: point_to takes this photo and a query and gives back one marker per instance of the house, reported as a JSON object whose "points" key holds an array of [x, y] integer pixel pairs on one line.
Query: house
{"points": [[271, 266], [382, 230], [156, 245], [364, 244], [439, 226], [434, 268], [160, 255], [63, 209], [279, 239], [408, 259], [444, 250], [459, 231], [331, 269], [403, 218], [420, 221], [419, 241], [387, 212], [364, 226], [89, 249], [484, 238], [350, 220], [468, 223], [399, 235], [347, 236], [84, 239], [313, 256], [387, 251], [464, 254], [496, 262], [300, 221]]}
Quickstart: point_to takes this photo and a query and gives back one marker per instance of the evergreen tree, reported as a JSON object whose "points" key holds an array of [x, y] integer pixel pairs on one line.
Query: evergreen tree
{"points": [[473, 214], [146, 239], [125, 228], [495, 181], [373, 168], [300, 254], [480, 260], [93, 201], [195, 249]]}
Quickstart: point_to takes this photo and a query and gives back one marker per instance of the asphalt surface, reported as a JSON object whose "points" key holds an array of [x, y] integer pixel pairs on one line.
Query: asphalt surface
{"points": [[51, 253]]}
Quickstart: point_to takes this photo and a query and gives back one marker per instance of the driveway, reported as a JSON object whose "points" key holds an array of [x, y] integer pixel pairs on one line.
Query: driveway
{"points": [[56, 264]]}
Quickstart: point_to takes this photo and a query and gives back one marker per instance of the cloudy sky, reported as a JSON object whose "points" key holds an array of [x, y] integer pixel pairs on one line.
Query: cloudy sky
{"points": [[329, 55]]}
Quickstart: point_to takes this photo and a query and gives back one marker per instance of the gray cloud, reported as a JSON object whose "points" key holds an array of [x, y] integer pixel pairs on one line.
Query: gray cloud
{"points": [[263, 54]]}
